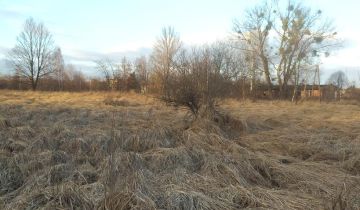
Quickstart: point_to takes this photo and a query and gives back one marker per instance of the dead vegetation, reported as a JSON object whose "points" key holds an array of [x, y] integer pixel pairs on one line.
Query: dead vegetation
{"points": [[116, 151]]}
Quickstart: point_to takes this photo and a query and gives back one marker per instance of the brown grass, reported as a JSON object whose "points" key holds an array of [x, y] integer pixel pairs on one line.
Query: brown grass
{"points": [[102, 150]]}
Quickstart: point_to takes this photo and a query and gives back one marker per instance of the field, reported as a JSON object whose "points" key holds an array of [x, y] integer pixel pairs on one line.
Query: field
{"points": [[128, 151]]}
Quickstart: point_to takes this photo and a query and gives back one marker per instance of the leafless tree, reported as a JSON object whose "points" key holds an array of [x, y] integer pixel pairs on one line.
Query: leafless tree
{"points": [[225, 68], [254, 31], [338, 79], [110, 71], [124, 72], [33, 53], [142, 70], [286, 39], [302, 35], [75, 79], [203, 74], [59, 68], [163, 57], [249, 66], [125, 67], [191, 86]]}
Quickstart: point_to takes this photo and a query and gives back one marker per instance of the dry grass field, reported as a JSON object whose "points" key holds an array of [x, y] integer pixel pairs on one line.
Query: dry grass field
{"points": [[127, 151]]}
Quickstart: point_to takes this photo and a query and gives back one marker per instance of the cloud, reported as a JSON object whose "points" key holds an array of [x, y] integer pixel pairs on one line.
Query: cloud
{"points": [[3, 51], [4, 67], [13, 11], [88, 71], [346, 57], [85, 60], [10, 14], [353, 73], [91, 56]]}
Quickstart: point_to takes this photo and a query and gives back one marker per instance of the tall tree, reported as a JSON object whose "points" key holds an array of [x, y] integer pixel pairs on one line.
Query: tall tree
{"points": [[59, 68], [110, 71], [225, 67], [141, 69], [75, 78], [125, 69], [163, 57], [287, 38], [254, 31], [338, 79], [33, 53], [302, 35]]}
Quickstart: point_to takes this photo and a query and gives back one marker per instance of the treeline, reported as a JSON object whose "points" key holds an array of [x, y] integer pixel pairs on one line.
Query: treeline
{"points": [[71, 80], [274, 51]]}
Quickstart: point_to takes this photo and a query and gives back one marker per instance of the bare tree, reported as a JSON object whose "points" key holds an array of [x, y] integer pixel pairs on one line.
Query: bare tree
{"points": [[75, 78], [254, 31], [163, 57], [287, 40], [302, 36], [338, 79], [125, 67], [252, 71], [225, 68], [59, 68], [110, 71], [33, 53], [203, 74], [141, 69], [192, 84], [249, 66]]}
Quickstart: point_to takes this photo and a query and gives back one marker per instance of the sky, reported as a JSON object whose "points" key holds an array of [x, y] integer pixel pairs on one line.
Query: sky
{"points": [[87, 30]]}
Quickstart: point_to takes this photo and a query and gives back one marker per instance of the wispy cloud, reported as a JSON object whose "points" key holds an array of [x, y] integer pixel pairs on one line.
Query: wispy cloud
{"points": [[6, 13], [14, 11], [85, 60], [4, 67], [91, 56], [3, 50]]}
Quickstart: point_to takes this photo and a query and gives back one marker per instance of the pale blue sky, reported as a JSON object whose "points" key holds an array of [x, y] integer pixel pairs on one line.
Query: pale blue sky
{"points": [[88, 29]]}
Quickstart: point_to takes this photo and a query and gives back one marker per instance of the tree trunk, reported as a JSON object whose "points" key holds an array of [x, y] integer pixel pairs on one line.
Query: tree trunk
{"points": [[253, 86], [297, 77], [318, 74], [294, 97], [243, 88], [279, 82], [267, 74], [33, 84], [305, 91]]}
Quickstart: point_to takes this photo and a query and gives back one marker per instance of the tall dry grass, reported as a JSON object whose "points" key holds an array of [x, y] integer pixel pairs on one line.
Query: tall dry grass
{"points": [[128, 151]]}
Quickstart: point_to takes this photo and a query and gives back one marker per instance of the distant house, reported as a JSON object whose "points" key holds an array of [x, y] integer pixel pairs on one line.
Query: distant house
{"points": [[326, 92], [329, 92]]}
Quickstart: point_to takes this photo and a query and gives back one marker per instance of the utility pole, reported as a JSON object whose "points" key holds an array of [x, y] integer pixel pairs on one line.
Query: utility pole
{"points": [[319, 85]]}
